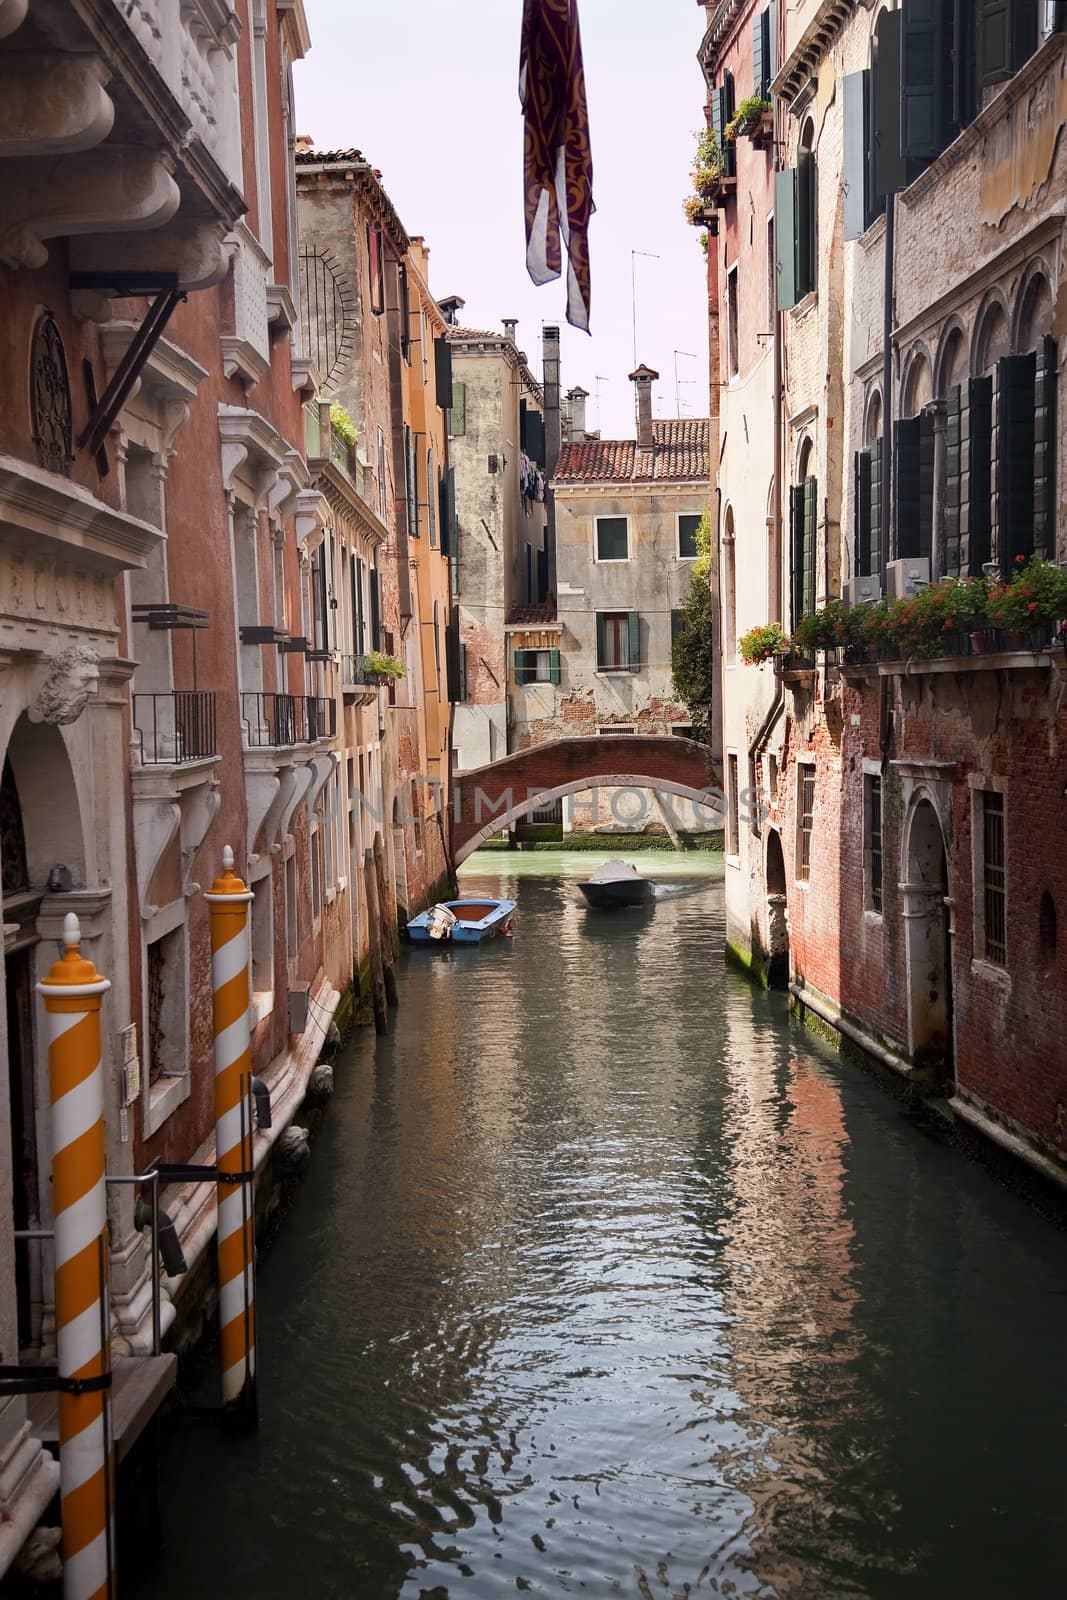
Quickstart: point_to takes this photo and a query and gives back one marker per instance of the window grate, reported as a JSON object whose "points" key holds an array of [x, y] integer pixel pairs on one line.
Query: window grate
{"points": [[874, 812], [807, 813], [994, 878]]}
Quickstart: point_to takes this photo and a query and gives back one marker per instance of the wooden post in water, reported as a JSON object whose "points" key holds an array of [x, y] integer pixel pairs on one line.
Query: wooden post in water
{"points": [[374, 933], [388, 957]]}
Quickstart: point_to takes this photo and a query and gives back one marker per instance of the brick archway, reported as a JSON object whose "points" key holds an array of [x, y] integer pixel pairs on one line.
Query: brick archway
{"points": [[488, 799]]}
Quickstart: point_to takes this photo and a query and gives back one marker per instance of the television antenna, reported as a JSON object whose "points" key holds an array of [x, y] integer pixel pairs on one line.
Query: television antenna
{"points": [[692, 355], [649, 255]]}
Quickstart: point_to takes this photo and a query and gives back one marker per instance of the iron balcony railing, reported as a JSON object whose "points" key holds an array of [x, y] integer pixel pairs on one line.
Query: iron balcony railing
{"points": [[321, 717], [354, 671], [272, 719], [175, 726]]}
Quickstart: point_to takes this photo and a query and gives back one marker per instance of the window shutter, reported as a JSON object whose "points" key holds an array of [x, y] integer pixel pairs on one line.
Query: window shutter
{"points": [[906, 488], [452, 654], [807, 191], [996, 28], [717, 123], [953, 479], [811, 503], [449, 530], [855, 173], [375, 612], [796, 546], [761, 54], [964, 65], [1026, 30], [785, 238], [1045, 447], [633, 646], [463, 672], [457, 417], [862, 492], [875, 558], [324, 640], [553, 666], [1013, 452], [405, 312], [535, 437], [890, 171], [925, 79], [522, 666], [601, 641], [926, 485], [442, 357], [433, 495], [726, 111], [976, 450]]}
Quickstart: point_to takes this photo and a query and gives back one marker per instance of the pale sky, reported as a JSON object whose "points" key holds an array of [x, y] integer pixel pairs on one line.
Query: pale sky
{"points": [[428, 90]]}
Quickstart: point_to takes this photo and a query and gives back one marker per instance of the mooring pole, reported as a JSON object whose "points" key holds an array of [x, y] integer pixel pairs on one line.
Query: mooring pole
{"points": [[72, 993], [228, 901]]}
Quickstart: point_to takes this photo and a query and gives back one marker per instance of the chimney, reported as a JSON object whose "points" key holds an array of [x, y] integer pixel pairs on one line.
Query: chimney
{"points": [[553, 438], [577, 398], [642, 380], [510, 324], [451, 306]]}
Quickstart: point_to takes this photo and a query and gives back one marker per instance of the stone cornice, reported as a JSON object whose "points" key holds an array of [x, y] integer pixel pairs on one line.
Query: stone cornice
{"points": [[811, 47], [39, 507]]}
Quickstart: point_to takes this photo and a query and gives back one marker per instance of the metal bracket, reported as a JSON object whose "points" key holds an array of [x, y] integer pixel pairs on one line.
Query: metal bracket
{"points": [[129, 369], [183, 1173], [46, 1380]]}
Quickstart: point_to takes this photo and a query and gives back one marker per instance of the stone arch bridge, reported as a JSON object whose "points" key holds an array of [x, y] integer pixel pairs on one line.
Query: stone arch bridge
{"points": [[488, 799]]}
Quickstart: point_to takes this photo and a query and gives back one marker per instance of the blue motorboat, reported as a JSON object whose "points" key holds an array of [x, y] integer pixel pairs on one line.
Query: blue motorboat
{"points": [[463, 922]]}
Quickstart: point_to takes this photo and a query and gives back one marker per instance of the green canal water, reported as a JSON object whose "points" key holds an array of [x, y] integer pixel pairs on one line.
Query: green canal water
{"points": [[607, 1280]]}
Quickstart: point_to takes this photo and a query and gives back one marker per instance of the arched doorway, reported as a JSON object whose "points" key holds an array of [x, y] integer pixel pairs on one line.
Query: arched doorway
{"points": [[41, 853], [928, 942], [777, 914]]}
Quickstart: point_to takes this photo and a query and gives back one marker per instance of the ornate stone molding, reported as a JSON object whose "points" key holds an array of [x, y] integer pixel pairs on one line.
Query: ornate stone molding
{"points": [[44, 512], [312, 513], [106, 191], [52, 105], [169, 802]]}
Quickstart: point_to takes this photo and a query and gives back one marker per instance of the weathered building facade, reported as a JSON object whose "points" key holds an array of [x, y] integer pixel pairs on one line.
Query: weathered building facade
{"points": [[885, 865]]}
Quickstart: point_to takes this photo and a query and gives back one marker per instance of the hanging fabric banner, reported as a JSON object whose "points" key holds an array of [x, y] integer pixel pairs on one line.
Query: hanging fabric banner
{"points": [[557, 161]]}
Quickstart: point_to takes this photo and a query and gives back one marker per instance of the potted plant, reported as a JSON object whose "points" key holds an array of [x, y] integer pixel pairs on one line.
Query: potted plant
{"points": [[342, 425], [706, 175], [384, 666], [1026, 609], [826, 629], [761, 644], [748, 118]]}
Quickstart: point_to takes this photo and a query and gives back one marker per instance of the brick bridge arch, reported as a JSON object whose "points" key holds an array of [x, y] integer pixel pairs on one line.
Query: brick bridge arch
{"points": [[487, 799]]}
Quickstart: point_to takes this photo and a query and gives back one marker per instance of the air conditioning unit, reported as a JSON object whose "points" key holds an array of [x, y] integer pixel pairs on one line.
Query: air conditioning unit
{"points": [[862, 591], [905, 578]]}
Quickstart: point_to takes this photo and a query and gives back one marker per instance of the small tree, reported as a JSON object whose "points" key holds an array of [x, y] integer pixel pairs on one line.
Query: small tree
{"points": [[691, 655]]}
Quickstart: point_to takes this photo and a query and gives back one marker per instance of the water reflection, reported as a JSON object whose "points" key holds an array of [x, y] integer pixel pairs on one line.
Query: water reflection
{"points": [[606, 1281]]}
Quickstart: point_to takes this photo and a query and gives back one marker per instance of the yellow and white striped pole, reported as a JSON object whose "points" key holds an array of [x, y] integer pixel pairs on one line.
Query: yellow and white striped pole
{"points": [[229, 900], [72, 993]]}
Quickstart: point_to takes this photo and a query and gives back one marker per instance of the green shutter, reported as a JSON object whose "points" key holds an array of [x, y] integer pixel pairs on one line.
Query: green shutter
{"points": [[964, 65], [761, 55], [811, 513], [785, 238], [854, 180], [433, 491], [523, 668], [457, 417], [633, 644], [976, 449], [1013, 453], [890, 170], [375, 611], [906, 537], [726, 112], [995, 21], [442, 357], [553, 666], [796, 549], [601, 641], [1045, 447], [953, 479], [717, 124], [926, 485], [875, 558], [862, 518], [925, 80]]}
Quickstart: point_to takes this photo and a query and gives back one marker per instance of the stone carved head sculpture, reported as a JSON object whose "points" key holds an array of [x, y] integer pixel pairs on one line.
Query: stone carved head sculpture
{"points": [[70, 684]]}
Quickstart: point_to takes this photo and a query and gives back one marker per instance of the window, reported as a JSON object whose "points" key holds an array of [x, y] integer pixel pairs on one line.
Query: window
{"points": [[536, 666], [867, 511], [618, 636], [913, 485], [803, 508], [292, 941], [616, 728], [754, 800], [729, 590], [431, 499], [612, 539], [763, 43], [994, 878], [772, 272], [772, 779], [681, 730], [805, 818], [795, 196], [262, 909], [444, 389], [733, 820], [411, 483], [688, 527], [316, 868], [872, 851], [722, 111], [166, 1009], [968, 477], [376, 269], [381, 473], [733, 333]]}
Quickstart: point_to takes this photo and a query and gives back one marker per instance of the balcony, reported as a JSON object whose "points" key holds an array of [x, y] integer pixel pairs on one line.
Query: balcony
{"points": [[278, 721], [986, 650], [175, 727], [357, 683]]}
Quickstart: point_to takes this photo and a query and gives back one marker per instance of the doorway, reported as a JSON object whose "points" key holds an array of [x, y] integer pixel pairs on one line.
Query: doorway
{"points": [[777, 914], [928, 943]]}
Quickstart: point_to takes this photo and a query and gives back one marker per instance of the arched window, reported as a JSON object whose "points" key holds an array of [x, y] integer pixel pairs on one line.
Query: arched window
{"points": [[803, 506]]}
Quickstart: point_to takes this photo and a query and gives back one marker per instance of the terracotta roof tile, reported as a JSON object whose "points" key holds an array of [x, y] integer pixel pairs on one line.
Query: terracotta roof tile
{"points": [[530, 616], [325, 158], [679, 454], [477, 333]]}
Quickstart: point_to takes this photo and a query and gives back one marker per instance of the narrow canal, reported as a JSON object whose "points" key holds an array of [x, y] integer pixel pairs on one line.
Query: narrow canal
{"points": [[607, 1280]]}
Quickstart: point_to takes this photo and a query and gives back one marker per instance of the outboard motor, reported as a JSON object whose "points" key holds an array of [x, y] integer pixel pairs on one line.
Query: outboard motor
{"points": [[440, 922]]}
